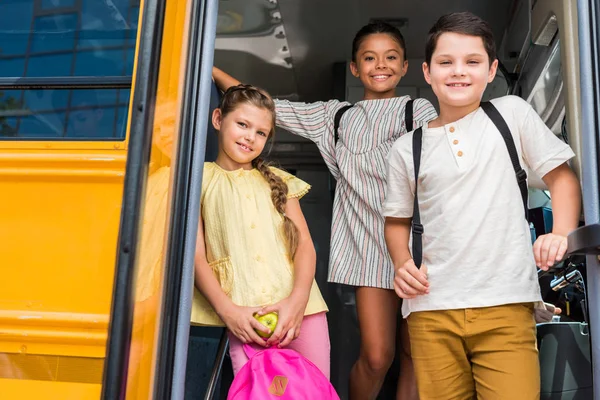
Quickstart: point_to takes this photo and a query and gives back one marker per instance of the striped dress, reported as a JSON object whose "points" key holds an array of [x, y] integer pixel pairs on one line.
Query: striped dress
{"points": [[358, 162]]}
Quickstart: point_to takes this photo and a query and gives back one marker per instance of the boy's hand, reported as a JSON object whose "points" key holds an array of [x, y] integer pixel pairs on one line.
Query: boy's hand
{"points": [[410, 281], [549, 249]]}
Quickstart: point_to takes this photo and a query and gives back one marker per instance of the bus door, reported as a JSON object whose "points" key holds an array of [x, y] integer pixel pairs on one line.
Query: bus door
{"points": [[65, 82], [586, 240], [153, 286]]}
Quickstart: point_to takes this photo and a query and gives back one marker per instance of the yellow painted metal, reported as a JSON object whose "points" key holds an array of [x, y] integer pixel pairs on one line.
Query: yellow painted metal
{"points": [[51, 368], [60, 212], [47, 390]]}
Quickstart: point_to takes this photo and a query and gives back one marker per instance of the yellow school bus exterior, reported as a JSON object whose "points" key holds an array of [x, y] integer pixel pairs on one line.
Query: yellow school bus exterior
{"points": [[60, 214]]}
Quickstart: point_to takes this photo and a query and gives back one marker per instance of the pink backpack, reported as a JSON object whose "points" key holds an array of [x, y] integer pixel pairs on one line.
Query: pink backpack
{"points": [[276, 373]]}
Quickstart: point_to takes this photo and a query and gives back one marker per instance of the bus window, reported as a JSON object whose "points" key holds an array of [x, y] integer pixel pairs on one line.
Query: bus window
{"points": [[72, 61], [66, 68]]}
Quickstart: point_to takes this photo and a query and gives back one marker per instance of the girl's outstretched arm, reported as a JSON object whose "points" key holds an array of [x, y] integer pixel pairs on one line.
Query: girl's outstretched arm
{"points": [[239, 320], [223, 80], [291, 309]]}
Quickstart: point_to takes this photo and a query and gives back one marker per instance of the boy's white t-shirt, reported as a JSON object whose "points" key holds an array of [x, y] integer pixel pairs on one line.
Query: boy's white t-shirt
{"points": [[476, 241]]}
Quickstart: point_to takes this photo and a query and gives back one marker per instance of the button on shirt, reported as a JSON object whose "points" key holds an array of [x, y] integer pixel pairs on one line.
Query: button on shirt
{"points": [[476, 243]]}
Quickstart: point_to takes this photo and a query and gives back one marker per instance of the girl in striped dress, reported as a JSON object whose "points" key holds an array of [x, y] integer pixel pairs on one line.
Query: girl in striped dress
{"points": [[358, 161]]}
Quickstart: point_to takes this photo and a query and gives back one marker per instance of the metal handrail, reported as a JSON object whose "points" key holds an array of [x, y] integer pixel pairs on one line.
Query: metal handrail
{"points": [[218, 366]]}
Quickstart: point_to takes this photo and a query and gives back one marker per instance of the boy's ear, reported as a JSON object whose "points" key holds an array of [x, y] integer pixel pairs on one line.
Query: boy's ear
{"points": [[493, 70], [354, 69], [216, 118], [426, 73]]}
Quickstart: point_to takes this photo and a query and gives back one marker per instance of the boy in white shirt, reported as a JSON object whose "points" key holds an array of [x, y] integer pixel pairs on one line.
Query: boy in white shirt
{"points": [[470, 305]]}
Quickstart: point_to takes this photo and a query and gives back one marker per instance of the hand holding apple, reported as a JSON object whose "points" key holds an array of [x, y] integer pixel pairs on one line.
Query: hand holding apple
{"points": [[270, 321], [290, 313], [241, 322]]}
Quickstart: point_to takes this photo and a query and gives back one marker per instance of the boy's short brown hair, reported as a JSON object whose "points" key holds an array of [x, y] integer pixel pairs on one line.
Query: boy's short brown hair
{"points": [[464, 23]]}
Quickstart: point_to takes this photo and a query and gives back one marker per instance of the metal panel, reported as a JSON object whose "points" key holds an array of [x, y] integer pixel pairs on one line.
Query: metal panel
{"points": [[545, 17], [199, 76], [140, 140], [589, 54]]}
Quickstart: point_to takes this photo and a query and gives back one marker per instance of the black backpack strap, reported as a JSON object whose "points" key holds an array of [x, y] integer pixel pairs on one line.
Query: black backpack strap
{"points": [[337, 119], [417, 227], [493, 113], [408, 115]]}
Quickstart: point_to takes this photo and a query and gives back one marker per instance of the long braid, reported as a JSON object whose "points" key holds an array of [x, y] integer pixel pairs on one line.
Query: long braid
{"points": [[279, 191]]}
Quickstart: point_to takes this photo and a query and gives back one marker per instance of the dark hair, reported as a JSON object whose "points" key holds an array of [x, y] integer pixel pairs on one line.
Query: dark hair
{"points": [[373, 28], [233, 97], [464, 23]]}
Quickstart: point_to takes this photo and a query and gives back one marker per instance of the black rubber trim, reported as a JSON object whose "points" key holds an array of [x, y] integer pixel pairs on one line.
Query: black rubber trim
{"points": [[180, 203], [136, 171], [66, 82]]}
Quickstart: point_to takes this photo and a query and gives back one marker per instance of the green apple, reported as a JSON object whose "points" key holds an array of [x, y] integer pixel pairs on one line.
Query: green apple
{"points": [[269, 320]]}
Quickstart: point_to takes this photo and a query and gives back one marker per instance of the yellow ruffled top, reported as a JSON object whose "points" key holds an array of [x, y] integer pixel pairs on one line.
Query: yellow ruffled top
{"points": [[244, 243]]}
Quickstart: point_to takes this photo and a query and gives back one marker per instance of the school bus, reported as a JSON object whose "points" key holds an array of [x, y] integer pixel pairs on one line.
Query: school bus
{"points": [[103, 133]]}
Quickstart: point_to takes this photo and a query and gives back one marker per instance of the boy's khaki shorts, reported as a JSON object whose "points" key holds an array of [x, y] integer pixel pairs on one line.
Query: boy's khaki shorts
{"points": [[477, 353]]}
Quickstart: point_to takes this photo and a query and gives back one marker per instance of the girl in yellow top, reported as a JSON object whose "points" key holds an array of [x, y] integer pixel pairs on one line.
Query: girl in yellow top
{"points": [[254, 253]]}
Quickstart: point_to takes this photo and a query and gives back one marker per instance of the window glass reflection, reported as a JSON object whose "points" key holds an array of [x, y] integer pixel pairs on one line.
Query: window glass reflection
{"points": [[52, 39]]}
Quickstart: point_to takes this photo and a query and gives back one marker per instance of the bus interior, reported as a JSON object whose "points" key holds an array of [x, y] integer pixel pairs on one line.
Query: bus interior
{"points": [[102, 308]]}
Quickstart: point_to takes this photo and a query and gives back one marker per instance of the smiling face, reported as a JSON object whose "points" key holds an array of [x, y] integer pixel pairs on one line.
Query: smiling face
{"points": [[379, 65], [459, 72], [243, 133]]}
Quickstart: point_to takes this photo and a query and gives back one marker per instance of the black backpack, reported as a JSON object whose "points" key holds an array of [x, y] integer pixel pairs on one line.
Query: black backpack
{"points": [[408, 118], [493, 114]]}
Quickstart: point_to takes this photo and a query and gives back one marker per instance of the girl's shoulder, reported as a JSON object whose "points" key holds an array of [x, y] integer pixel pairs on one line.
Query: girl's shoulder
{"points": [[390, 105], [394, 102], [390, 101], [284, 175], [297, 188], [208, 171]]}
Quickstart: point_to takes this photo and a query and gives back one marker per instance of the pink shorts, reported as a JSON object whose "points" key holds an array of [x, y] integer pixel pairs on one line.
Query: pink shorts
{"points": [[313, 343]]}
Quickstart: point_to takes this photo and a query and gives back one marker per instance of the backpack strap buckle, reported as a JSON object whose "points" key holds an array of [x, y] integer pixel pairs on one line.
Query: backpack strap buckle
{"points": [[521, 175], [417, 228]]}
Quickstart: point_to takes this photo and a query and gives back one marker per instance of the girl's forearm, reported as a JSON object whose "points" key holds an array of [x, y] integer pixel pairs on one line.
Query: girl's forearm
{"points": [[223, 80], [206, 282], [304, 269]]}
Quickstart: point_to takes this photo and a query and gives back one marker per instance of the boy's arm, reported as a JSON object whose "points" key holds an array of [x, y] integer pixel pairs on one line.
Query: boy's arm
{"points": [[223, 80], [397, 232], [409, 281], [565, 193]]}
